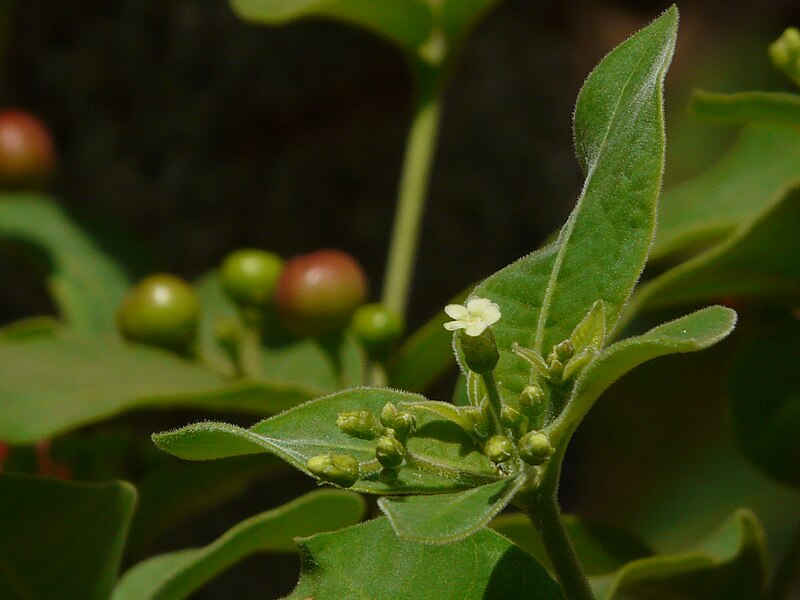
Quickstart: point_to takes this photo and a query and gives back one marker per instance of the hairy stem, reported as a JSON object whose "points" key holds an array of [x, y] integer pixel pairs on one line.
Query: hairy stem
{"points": [[495, 402], [411, 202], [541, 506]]}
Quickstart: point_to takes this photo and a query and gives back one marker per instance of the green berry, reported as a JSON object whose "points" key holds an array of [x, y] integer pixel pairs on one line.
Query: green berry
{"points": [[376, 326], [499, 449], [480, 351], [535, 447], [340, 469], [389, 451], [318, 292], [361, 424], [162, 310], [249, 277], [27, 155]]}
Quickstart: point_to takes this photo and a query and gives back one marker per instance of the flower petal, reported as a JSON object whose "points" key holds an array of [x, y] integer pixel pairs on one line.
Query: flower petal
{"points": [[453, 325], [456, 311], [491, 314], [478, 305], [475, 328]]}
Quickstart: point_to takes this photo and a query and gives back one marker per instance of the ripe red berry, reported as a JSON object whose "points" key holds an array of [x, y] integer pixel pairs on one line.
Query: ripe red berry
{"points": [[318, 292], [27, 154]]}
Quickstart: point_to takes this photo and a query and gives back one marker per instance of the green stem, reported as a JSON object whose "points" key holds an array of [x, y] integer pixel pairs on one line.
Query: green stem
{"points": [[788, 571], [541, 506], [411, 202], [250, 353], [495, 402]]}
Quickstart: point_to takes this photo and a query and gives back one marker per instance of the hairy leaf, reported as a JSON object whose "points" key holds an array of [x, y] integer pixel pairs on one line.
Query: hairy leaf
{"points": [[86, 284], [761, 260], [600, 252], [765, 402], [61, 540], [754, 174], [446, 518], [441, 458], [177, 575], [50, 385], [691, 333], [748, 107], [407, 23], [601, 548], [730, 564], [370, 561]]}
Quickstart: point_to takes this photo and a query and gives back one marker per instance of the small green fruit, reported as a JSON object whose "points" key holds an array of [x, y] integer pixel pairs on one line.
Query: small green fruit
{"points": [[27, 154], [389, 451], [340, 469], [499, 449], [318, 292], [249, 277], [535, 447], [480, 351], [376, 326], [162, 310]]}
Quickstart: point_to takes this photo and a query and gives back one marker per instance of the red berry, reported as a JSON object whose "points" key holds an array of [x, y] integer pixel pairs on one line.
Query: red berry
{"points": [[27, 155], [318, 292]]}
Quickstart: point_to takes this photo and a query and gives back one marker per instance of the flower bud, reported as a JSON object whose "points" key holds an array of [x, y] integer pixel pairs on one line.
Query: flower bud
{"points": [[360, 424], [388, 414], [389, 451], [404, 425], [339, 469], [510, 417], [532, 400], [479, 425], [480, 351], [535, 447], [564, 351], [499, 449], [556, 369]]}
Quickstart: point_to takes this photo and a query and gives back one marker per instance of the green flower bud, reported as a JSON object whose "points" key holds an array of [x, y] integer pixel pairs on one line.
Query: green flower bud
{"points": [[532, 400], [510, 417], [339, 469], [556, 368], [499, 449], [404, 425], [388, 414], [535, 447], [480, 351], [361, 424], [389, 451], [479, 425], [388, 475], [564, 351]]}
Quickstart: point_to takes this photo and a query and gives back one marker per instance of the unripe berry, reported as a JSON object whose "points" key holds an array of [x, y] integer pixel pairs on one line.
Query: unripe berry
{"points": [[162, 310], [376, 326], [341, 469], [27, 155], [249, 277], [319, 292], [535, 448]]}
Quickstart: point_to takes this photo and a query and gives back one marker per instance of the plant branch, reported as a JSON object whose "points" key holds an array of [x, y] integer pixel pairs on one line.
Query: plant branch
{"points": [[411, 202]]}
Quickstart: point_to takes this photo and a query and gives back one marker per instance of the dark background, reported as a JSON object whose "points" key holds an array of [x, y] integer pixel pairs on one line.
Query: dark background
{"points": [[193, 133]]}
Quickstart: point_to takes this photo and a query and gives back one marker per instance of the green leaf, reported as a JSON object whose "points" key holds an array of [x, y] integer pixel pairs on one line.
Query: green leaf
{"points": [[370, 561], [426, 355], [444, 458], [86, 285], [696, 331], [600, 252], [601, 548], [320, 367], [446, 518], [177, 575], [748, 107], [760, 260], [174, 493], [407, 23], [50, 385], [755, 173], [729, 564], [30, 327], [61, 540], [765, 402]]}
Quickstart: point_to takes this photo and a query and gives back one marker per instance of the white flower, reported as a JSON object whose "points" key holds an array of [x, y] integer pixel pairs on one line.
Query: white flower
{"points": [[474, 318]]}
